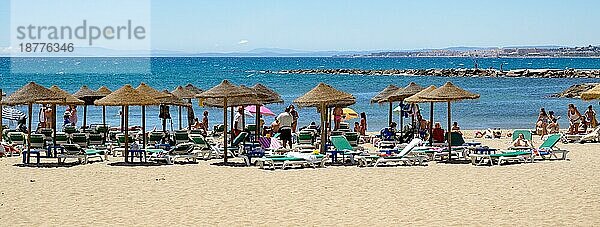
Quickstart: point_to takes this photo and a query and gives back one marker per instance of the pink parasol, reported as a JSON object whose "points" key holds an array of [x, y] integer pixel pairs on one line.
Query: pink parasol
{"points": [[263, 110]]}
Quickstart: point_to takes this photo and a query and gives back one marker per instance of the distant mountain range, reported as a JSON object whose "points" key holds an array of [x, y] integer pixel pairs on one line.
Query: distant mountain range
{"points": [[262, 52]]}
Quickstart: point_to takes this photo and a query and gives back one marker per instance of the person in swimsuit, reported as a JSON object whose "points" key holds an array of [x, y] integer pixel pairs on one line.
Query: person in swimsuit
{"points": [[542, 122], [521, 142], [574, 118], [590, 117], [337, 117]]}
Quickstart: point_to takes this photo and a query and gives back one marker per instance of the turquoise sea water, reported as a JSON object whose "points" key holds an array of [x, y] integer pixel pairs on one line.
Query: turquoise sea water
{"points": [[504, 102]]}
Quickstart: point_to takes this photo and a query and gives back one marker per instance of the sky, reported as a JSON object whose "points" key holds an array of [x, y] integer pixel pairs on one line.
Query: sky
{"points": [[242, 25]]}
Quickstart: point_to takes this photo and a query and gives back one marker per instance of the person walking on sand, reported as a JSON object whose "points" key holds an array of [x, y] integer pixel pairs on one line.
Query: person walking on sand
{"points": [[363, 124], [285, 120], [337, 117], [294, 114]]}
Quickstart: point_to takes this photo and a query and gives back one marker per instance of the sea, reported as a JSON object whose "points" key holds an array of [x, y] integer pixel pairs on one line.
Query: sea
{"points": [[505, 102]]}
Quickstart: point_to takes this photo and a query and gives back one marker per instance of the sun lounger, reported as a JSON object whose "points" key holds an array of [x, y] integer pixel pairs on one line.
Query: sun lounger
{"points": [[343, 147], [82, 155], [37, 140], [593, 136], [181, 136], [95, 139], [61, 138], [548, 149], [16, 138], [406, 157], [181, 151], [79, 139], [292, 159]]}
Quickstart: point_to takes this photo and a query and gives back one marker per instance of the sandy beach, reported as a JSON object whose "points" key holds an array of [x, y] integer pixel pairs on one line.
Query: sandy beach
{"points": [[543, 193]]}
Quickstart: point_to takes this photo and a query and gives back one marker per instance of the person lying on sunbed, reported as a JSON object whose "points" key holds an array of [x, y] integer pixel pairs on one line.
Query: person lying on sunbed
{"points": [[521, 142]]}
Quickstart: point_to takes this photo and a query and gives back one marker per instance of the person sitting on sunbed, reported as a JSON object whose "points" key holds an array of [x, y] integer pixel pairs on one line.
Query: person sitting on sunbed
{"points": [[521, 142], [389, 133]]}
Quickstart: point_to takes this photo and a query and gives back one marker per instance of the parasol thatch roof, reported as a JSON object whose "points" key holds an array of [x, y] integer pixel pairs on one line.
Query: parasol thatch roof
{"points": [[450, 92], [409, 90], [324, 93], [183, 93], [31, 93], [88, 95], [239, 101], [127, 96], [104, 90], [192, 88], [144, 88], [172, 100], [272, 96], [382, 96], [68, 98], [592, 94], [416, 98], [224, 89]]}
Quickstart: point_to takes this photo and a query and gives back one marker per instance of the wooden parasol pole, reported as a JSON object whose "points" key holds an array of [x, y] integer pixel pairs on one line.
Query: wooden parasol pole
{"points": [[449, 132], [126, 123], [225, 129]]}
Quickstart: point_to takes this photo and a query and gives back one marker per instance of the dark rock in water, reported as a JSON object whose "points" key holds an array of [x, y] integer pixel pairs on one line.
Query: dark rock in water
{"points": [[575, 91]]}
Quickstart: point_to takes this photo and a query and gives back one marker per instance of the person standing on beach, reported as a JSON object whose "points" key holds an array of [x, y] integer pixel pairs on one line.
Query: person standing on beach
{"points": [[73, 118], [294, 114], [363, 124], [238, 125], [337, 117], [48, 114], [574, 118], [590, 117], [285, 120], [42, 116], [205, 121]]}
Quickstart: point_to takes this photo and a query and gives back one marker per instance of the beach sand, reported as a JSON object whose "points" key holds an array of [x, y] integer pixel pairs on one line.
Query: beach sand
{"points": [[543, 193]]}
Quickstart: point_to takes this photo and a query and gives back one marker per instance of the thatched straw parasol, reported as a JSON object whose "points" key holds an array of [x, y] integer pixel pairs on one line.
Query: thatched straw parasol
{"points": [[151, 91], [382, 97], [127, 96], [104, 90], [172, 100], [272, 96], [224, 91], [417, 99], [68, 98], [31, 93], [323, 96], [193, 88], [592, 94], [411, 89], [449, 93], [28, 95], [88, 96], [183, 93]]}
